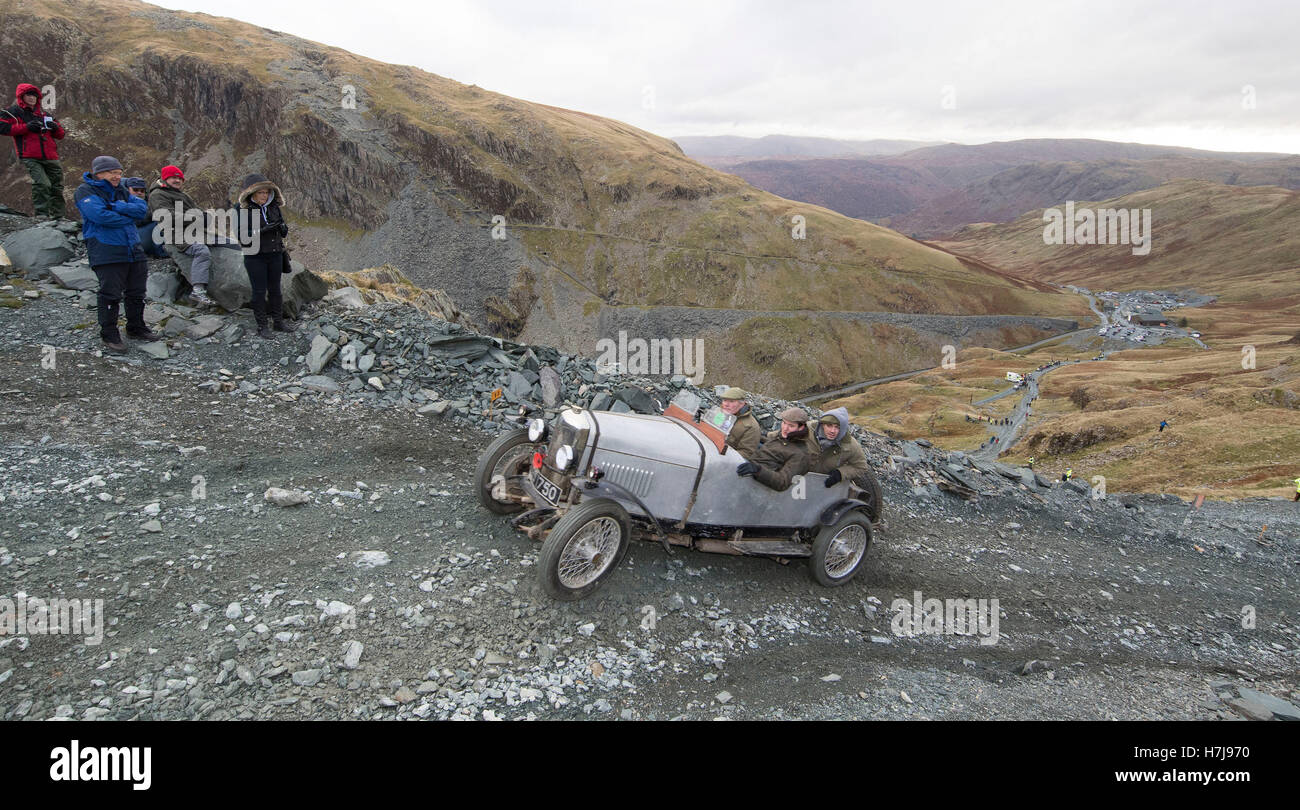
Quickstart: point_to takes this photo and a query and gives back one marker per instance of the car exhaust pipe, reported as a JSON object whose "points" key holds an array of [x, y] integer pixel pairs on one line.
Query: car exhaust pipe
{"points": [[539, 531]]}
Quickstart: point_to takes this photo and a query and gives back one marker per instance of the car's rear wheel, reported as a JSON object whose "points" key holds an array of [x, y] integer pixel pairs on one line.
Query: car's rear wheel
{"points": [[839, 550], [871, 495], [508, 456], [583, 549]]}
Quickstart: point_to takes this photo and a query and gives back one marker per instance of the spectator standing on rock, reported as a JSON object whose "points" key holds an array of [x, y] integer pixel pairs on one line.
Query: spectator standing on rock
{"points": [[109, 213], [260, 221], [139, 188], [745, 433], [166, 195], [783, 455], [34, 134]]}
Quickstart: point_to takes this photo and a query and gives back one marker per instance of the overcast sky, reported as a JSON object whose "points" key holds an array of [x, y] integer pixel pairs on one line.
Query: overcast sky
{"points": [[1214, 76]]}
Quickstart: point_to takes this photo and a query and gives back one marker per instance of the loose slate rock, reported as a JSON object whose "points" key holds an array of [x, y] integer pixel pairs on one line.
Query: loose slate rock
{"points": [[352, 654], [323, 384], [204, 327], [157, 350], [321, 353], [163, 287], [285, 497], [37, 248], [347, 297], [1280, 708], [552, 386], [75, 276]]}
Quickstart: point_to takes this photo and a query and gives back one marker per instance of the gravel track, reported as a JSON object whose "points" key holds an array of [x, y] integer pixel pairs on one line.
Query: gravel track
{"points": [[1131, 605]]}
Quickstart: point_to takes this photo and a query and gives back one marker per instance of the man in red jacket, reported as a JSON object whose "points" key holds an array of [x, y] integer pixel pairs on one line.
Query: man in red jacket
{"points": [[34, 134]]}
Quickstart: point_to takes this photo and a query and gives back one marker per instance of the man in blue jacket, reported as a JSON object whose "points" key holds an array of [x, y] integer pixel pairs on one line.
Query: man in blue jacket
{"points": [[109, 214]]}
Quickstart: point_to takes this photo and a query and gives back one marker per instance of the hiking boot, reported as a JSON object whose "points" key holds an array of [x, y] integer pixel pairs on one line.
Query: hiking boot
{"points": [[114, 347], [143, 334], [264, 331], [200, 298], [282, 325]]}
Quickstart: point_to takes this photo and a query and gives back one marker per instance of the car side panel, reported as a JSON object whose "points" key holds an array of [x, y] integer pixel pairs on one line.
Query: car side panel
{"points": [[659, 459], [727, 499]]}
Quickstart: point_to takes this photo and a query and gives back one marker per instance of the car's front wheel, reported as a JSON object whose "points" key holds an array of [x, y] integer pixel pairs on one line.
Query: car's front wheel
{"points": [[839, 550], [506, 458], [583, 548]]}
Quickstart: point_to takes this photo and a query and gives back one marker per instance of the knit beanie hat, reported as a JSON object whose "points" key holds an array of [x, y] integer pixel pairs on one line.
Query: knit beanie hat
{"points": [[104, 163]]}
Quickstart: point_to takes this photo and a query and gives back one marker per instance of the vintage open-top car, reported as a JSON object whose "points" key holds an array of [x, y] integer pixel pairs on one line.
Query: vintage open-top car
{"points": [[589, 481]]}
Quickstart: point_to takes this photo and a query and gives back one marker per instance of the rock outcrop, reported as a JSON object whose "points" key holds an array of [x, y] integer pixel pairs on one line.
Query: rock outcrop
{"points": [[37, 249]]}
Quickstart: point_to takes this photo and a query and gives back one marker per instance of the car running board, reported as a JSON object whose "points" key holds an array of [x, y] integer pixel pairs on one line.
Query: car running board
{"points": [[754, 548]]}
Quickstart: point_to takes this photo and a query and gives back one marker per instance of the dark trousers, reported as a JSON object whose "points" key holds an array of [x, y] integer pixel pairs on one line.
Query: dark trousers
{"points": [[47, 186], [117, 281], [264, 270], [151, 248]]}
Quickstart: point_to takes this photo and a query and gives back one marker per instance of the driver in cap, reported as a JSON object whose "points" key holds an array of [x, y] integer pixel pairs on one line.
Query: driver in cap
{"points": [[745, 434]]}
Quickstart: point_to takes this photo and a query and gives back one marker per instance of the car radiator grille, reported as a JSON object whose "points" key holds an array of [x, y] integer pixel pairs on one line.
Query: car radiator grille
{"points": [[634, 479]]}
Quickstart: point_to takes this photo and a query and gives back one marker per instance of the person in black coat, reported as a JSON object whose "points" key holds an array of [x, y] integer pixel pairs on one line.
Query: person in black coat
{"points": [[261, 231], [144, 227]]}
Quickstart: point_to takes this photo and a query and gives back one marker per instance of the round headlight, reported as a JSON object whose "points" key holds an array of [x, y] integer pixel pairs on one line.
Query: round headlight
{"points": [[536, 430], [564, 457]]}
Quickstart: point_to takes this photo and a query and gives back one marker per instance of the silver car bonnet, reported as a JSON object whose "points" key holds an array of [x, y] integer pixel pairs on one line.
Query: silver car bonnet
{"points": [[655, 458]]}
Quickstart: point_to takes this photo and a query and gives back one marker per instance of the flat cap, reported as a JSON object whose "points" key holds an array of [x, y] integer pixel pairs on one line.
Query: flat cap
{"points": [[734, 393], [794, 415]]}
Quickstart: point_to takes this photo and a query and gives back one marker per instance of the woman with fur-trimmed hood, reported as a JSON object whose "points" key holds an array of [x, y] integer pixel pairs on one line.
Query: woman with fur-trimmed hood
{"points": [[261, 223]]}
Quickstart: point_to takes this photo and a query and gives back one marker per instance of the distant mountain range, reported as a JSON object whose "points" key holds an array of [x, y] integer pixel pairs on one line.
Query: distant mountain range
{"points": [[931, 191], [721, 151]]}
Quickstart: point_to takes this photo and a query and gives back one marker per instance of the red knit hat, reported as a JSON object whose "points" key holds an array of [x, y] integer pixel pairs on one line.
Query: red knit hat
{"points": [[172, 171]]}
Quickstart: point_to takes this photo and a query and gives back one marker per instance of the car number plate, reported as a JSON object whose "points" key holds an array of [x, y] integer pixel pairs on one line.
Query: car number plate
{"points": [[545, 488]]}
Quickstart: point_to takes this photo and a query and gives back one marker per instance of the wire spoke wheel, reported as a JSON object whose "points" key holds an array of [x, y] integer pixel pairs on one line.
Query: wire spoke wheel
{"points": [[583, 548], [846, 550], [839, 550], [589, 553]]}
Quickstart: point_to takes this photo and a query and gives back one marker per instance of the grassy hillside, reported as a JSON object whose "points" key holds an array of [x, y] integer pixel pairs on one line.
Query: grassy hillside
{"points": [[1234, 432], [1006, 195], [1239, 243], [620, 210]]}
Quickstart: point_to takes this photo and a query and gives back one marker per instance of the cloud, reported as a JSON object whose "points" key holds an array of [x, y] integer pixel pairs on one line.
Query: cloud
{"points": [[1068, 68]]}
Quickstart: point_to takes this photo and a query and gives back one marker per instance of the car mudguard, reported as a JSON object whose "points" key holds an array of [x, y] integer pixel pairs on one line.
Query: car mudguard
{"points": [[615, 492], [832, 514]]}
